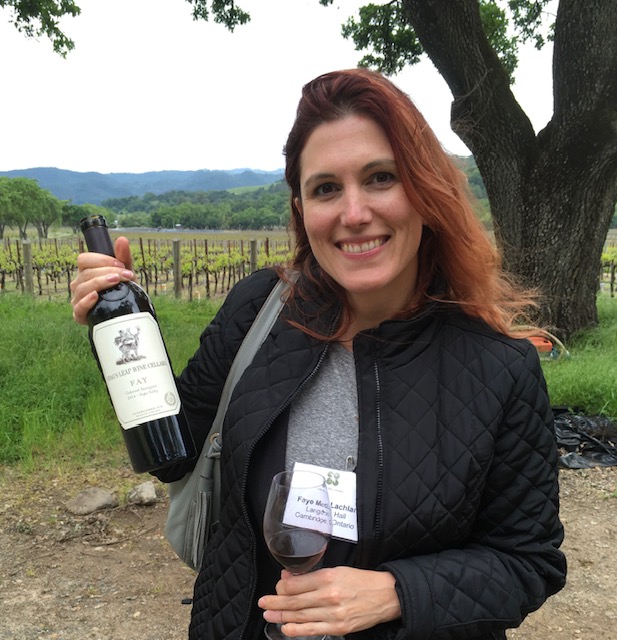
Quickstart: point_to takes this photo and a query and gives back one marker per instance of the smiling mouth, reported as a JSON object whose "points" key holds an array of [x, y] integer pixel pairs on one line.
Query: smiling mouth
{"points": [[362, 247]]}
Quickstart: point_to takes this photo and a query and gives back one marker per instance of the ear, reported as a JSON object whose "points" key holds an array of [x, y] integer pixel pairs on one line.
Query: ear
{"points": [[298, 205]]}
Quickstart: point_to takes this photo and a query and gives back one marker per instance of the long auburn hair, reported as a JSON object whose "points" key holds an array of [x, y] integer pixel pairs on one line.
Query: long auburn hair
{"points": [[454, 248]]}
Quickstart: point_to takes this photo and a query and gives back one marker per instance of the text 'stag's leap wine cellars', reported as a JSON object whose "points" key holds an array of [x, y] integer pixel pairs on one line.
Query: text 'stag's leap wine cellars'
{"points": [[127, 343]]}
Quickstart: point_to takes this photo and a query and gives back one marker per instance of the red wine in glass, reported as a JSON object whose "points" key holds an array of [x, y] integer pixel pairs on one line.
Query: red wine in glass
{"points": [[298, 550]]}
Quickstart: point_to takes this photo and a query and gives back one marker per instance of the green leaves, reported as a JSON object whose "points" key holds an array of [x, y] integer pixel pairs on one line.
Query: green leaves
{"points": [[528, 16], [386, 33], [40, 18], [383, 28], [223, 11], [508, 24]]}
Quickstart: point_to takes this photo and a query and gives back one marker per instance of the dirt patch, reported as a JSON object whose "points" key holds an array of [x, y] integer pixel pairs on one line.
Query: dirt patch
{"points": [[102, 576], [587, 607], [112, 575]]}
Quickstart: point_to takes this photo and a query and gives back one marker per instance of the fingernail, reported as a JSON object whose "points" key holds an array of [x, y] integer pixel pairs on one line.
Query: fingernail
{"points": [[127, 273], [112, 277]]}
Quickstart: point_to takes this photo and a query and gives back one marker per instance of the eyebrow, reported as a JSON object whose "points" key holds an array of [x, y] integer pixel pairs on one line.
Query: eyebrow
{"points": [[386, 163]]}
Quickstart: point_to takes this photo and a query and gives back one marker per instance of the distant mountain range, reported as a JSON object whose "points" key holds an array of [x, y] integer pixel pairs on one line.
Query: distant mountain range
{"points": [[93, 188]]}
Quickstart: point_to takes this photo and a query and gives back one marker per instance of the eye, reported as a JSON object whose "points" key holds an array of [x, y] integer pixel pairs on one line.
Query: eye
{"points": [[325, 189], [383, 178]]}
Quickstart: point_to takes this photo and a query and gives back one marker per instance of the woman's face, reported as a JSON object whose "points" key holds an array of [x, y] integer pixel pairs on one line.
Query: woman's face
{"points": [[360, 224]]}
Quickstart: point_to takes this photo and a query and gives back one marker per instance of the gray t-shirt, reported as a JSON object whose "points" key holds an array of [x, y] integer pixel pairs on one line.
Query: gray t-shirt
{"points": [[323, 423]]}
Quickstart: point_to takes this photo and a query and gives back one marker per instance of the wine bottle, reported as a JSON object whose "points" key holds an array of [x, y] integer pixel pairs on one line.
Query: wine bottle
{"points": [[127, 344]]}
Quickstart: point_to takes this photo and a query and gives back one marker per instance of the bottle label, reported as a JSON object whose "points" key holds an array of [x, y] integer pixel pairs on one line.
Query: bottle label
{"points": [[136, 368]]}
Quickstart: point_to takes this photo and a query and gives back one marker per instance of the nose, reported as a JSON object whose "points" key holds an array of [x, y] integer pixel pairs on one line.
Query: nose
{"points": [[355, 209]]}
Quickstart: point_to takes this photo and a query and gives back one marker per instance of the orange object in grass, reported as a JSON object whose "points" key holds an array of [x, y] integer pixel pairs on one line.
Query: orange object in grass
{"points": [[542, 344]]}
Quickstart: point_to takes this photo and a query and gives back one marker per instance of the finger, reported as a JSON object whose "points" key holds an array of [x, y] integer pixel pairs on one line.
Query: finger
{"points": [[293, 619], [299, 624], [291, 584], [86, 288], [83, 306], [93, 260], [273, 615], [98, 279], [297, 592], [122, 259], [296, 608], [310, 629]]}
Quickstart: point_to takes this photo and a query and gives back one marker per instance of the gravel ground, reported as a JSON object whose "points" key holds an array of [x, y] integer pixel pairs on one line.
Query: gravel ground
{"points": [[111, 575]]}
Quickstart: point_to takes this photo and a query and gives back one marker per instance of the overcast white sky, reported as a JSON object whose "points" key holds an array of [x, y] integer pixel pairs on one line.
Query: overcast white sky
{"points": [[147, 88]]}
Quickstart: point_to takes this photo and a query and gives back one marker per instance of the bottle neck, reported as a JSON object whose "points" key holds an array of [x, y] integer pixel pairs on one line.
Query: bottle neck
{"points": [[98, 240]]}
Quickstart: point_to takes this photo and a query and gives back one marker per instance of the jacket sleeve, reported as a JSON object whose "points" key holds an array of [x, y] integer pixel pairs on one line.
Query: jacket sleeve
{"points": [[201, 383], [511, 562]]}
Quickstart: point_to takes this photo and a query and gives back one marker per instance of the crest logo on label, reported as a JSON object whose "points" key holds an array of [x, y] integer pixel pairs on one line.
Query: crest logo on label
{"points": [[127, 342]]}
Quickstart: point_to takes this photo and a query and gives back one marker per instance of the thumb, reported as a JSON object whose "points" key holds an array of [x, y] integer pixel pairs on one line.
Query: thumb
{"points": [[123, 252]]}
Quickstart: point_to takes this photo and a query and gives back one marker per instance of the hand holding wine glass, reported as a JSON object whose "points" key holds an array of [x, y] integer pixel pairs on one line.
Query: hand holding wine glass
{"points": [[297, 525]]}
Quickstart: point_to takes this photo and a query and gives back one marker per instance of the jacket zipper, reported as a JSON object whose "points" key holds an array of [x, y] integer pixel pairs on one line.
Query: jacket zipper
{"points": [[379, 498], [380, 461], [245, 474]]}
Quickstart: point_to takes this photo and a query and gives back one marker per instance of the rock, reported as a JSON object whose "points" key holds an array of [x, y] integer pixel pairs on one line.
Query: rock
{"points": [[144, 493], [91, 500]]}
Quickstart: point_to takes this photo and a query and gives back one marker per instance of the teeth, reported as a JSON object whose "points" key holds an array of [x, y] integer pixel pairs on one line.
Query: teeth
{"points": [[361, 247]]}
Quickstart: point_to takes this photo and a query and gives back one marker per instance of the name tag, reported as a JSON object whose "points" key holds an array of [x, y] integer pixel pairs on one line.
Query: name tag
{"points": [[342, 493]]}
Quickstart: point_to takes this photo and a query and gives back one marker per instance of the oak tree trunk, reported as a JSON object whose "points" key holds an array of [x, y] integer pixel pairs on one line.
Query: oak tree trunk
{"points": [[552, 195]]}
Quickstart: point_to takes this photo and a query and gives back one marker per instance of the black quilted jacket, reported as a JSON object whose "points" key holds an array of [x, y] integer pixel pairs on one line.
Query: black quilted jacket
{"points": [[457, 480]]}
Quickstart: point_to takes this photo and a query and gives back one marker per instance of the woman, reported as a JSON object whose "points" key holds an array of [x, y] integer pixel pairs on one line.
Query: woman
{"points": [[395, 357]]}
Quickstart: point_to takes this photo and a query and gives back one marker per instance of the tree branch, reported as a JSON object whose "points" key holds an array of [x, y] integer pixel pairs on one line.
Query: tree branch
{"points": [[583, 130], [453, 36]]}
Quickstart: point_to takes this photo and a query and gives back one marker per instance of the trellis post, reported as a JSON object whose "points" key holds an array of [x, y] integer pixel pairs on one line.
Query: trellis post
{"points": [[28, 270], [253, 255], [177, 268]]}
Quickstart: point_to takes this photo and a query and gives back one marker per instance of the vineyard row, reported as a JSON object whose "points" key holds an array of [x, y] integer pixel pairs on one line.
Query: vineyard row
{"points": [[188, 268]]}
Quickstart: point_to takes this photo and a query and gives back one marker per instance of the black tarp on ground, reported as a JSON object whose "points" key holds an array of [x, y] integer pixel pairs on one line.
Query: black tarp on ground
{"points": [[585, 441]]}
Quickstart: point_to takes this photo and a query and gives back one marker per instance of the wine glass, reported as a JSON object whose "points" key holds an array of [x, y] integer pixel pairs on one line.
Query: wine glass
{"points": [[297, 526]]}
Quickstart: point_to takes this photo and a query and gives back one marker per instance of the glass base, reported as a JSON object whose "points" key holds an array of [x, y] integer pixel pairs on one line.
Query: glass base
{"points": [[273, 632]]}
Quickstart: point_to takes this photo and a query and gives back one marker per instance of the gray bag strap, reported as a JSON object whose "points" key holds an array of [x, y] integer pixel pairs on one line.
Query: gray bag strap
{"points": [[261, 327], [254, 338]]}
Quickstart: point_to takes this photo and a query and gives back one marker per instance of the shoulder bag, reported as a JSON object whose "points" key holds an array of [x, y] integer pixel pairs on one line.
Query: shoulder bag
{"points": [[194, 500]]}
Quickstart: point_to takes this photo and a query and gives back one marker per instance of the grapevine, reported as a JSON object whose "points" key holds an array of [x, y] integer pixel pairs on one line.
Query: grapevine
{"points": [[208, 267]]}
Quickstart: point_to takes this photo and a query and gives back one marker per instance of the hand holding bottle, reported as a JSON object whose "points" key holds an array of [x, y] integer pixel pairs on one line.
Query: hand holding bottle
{"points": [[98, 272], [131, 354]]}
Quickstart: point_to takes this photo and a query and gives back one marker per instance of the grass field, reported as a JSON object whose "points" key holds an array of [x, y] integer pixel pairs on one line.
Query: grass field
{"points": [[54, 405], [587, 379]]}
